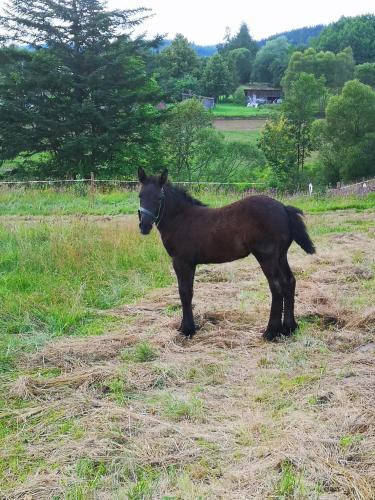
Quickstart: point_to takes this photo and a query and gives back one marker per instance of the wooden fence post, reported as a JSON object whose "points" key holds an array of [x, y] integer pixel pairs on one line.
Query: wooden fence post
{"points": [[92, 187]]}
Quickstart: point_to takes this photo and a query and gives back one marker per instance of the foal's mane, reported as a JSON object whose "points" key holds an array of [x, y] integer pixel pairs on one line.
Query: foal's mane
{"points": [[181, 195]]}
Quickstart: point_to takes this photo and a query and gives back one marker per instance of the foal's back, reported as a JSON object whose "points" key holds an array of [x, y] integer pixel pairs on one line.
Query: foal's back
{"points": [[214, 235]]}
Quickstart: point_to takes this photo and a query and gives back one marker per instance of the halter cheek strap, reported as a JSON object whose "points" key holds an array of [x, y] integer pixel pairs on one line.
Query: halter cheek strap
{"points": [[147, 212], [156, 219]]}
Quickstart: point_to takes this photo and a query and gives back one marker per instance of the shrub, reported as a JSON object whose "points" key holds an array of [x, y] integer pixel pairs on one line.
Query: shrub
{"points": [[239, 96]]}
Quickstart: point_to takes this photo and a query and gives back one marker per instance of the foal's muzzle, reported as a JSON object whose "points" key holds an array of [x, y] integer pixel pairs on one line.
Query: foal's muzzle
{"points": [[145, 223]]}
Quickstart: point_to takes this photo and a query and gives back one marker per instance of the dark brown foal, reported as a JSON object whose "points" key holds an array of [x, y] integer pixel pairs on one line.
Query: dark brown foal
{"points": [[193, 234]]}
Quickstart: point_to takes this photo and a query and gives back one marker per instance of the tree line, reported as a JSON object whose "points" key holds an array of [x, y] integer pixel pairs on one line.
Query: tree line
{"points": [[80, 93]]}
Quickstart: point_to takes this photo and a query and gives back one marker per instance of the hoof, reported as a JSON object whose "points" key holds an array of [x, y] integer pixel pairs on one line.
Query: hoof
{"points": [[187, 335], [271, 335], [187, 331], [288, 329]]}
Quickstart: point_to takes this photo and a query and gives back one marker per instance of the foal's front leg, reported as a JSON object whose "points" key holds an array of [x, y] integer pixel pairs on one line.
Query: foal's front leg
{"points": [[185, 275]]}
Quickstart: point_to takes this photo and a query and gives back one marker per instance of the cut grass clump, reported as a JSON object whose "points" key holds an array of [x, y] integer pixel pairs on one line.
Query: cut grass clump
{"points": [[169, 482], [92, 470], [117, 390], [206, 373], [142, 481], [165, 375], [17, 461], [349, 440], [264, 362], [181, 409], [142, 489], [285, 384], [140, 353], [204, 469], [244, 436], [291, 482], [144, 352]]}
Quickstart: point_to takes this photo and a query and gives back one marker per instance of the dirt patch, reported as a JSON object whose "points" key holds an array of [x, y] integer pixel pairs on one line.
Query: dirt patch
{"points": [[12, 220], [224, 415], [239, 125]]}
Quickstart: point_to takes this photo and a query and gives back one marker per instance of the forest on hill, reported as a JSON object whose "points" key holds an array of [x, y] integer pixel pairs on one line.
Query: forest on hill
{"points": [[299, 37], [91, 97]]}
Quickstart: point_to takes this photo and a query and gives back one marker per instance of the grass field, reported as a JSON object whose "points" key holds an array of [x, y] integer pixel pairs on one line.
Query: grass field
{"points": [[100, 397], [71, 201], [250, 136], [229, 110], [55, 275], [42, 202]]}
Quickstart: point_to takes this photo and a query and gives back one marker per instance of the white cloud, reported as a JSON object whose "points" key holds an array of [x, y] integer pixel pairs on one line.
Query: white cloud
{"points": [[204, 21]]}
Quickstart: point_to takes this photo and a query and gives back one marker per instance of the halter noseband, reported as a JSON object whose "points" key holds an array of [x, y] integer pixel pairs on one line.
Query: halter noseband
{"points": [[156, 219]]}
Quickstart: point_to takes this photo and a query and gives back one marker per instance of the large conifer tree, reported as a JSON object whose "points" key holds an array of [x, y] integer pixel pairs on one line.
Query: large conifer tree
{"points": [[78, 89], [242, 40]]}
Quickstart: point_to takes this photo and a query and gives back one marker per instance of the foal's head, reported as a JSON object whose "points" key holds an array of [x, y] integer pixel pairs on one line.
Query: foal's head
{"points": [[151, 198]]}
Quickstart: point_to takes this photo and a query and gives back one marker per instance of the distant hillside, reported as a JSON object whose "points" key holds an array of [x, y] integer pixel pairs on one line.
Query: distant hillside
{"points": [[204, 50], [299, 36], [201, 50]]}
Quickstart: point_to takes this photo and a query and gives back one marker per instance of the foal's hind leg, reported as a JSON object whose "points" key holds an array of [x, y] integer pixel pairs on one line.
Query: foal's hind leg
{"points": [[289, 287], [270, 267]]}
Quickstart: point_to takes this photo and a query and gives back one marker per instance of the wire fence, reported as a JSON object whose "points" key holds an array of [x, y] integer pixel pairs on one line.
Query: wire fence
{"points": [[241, 188], [358, 188], [93, 184]]}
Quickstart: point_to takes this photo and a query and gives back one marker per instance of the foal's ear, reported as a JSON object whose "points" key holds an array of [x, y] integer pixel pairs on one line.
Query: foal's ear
{"points": [[141, 175], [163, 177]]}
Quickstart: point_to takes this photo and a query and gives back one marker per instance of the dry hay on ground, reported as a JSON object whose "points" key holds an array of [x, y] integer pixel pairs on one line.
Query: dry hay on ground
{"points": [[224, 415]]}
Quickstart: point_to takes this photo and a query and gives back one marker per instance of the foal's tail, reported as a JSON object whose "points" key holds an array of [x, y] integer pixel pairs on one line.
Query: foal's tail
{"points": [[298, 229]]}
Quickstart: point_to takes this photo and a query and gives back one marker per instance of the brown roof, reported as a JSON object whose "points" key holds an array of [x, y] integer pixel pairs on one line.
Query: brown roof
{"points": [[262, 87]]}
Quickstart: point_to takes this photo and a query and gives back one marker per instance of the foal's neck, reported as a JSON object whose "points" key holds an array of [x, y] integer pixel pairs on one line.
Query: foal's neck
{"points": [[176, 204]]}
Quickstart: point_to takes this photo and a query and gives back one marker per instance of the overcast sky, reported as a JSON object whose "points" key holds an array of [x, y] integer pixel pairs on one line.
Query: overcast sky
{"points": [[204, 21]]}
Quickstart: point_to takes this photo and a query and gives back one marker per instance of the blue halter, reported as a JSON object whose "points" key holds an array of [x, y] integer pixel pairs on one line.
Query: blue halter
{"points": [[155, 218]]}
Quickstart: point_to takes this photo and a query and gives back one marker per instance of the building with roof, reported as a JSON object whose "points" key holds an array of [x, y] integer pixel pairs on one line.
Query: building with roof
{"points": [[208, 102], [262, 93]]}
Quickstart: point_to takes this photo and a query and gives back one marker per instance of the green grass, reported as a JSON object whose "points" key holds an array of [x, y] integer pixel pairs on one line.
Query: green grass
{"points": [[88, 469], [230, 110], [74, 200], [53, 275], [291, 483], [53, 278], [181, 409], [56, 280], [145, 482], [247, 136], [40, 202], [317, 204], [140, 353], [349, 440], [16, 464]]}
